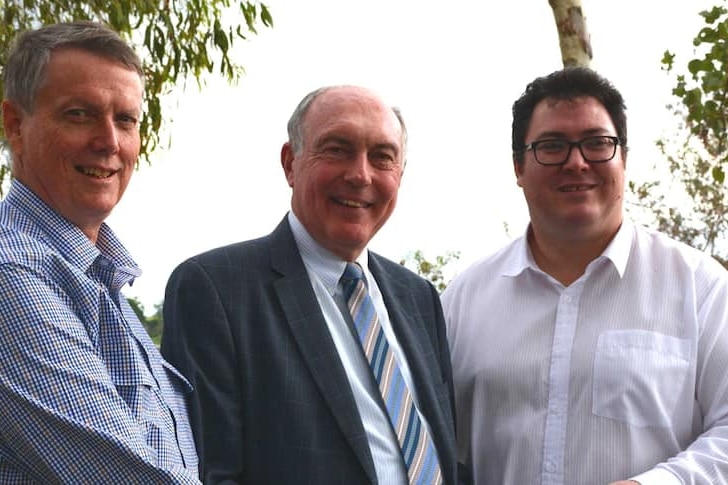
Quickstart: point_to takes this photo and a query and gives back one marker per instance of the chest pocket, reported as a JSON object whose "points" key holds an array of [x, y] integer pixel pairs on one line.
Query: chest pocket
{"points": [[639, 376]]}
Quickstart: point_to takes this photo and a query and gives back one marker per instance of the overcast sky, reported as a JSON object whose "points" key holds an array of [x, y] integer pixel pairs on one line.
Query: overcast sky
{"points": [[454, 68]]}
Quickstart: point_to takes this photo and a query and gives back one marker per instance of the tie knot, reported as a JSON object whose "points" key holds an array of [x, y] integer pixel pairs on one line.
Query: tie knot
{"points": [[353, 272], [351, 278]]}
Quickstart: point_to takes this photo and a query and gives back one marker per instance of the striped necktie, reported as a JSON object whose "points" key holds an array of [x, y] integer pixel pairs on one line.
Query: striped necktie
{"points": [[418, 451]]}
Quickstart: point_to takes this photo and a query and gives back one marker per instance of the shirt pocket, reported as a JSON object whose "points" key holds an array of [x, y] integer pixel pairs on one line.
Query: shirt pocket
{"points": [[639, 376]]}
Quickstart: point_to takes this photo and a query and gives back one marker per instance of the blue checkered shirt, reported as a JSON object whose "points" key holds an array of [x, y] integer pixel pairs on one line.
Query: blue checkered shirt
{"points": [[85, 396]]}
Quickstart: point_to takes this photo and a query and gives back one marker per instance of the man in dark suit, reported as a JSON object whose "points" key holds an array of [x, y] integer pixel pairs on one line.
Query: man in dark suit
{"points": [[284, 390]]}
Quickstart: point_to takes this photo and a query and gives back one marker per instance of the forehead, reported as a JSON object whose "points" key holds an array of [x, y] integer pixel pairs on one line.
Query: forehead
{"points": [[352, 112], [570, 116], [74, 68]]}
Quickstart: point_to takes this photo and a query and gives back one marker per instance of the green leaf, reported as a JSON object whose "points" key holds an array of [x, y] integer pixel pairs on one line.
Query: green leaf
{"points": [[718, 174], [668, 59], [179, 39]]}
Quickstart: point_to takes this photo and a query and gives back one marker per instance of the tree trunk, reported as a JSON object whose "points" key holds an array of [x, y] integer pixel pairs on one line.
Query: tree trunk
{"points": [[574, 38]]}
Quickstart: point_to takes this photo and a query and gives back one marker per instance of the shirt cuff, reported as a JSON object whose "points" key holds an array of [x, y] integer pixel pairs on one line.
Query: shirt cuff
{"points": [[657, 476]]}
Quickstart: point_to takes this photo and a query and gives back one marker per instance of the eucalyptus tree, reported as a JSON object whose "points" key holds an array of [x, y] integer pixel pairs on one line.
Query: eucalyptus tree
{"points": [[178, 40], [690, 204]]}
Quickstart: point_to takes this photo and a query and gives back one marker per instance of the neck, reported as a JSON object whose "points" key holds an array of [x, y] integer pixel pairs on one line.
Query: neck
{"points": [[566, 259]]}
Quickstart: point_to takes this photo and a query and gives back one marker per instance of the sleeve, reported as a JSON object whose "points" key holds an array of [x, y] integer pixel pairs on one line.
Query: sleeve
{"points": [[61, 417], [197, 340], [705, 460]]}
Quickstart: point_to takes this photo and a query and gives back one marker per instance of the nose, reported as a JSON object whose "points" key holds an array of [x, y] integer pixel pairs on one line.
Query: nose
{"points": [[575, 161], [106, 136], [359, 170]]}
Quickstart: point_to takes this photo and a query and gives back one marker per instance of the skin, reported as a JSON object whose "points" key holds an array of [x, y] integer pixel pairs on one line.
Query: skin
{"points": [[575, 208], [78, 147], [347, 175]]}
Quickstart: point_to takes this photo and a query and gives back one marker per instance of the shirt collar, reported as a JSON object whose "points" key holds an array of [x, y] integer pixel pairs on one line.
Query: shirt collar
{"points": [[327, 266], [40, 221], [617, 252]]}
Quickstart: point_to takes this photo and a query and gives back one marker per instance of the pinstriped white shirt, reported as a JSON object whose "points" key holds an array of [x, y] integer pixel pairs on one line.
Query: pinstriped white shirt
{"points": [[623, 374]]}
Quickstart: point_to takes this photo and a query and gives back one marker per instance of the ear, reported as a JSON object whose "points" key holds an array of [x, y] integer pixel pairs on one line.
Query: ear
{"points": [[12, 120], [287, 157], [518, 170]]}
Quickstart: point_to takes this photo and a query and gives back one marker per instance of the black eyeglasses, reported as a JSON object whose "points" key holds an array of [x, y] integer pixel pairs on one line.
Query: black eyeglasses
{"points": [[556, 151]]}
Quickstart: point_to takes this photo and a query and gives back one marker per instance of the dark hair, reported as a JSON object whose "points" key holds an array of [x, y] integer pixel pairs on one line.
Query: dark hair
{"points": [[31, 52], [566, 84]]}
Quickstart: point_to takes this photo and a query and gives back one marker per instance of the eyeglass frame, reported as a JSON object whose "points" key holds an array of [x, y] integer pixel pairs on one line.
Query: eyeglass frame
{"points": [[534, 145]]}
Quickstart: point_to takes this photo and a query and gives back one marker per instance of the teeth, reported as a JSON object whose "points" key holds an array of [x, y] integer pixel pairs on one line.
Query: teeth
{"points": [[352, 203], [574, 188], [94, 172]]}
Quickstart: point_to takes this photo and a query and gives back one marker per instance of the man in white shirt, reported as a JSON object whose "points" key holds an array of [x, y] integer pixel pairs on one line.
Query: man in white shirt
{"points": [[588, 351]]}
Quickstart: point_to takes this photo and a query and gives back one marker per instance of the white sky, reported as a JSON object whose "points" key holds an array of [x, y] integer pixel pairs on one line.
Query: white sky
{"points": [[454, 68]]}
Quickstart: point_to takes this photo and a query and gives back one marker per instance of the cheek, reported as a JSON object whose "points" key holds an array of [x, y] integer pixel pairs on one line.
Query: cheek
{"points": [[619, 186], [615, 177], [126, 176], [131, 147], [391, 184]]}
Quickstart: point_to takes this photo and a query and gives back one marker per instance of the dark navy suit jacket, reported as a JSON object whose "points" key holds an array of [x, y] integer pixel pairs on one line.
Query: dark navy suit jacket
{"points": [[272, 403]]}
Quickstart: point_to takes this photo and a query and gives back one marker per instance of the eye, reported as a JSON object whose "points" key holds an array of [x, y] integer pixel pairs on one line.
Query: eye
{"points": [[336, 151], [77, 114], [598, 143], [383, 159], [127, 120], [551, 146]]}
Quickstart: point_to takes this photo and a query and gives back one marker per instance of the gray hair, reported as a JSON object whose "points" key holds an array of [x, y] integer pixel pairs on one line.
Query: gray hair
{"points": [[295, 123], [25, 70]]}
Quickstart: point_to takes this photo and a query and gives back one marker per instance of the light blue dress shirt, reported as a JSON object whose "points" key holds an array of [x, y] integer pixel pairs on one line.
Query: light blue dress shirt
{"points": [[85, 396], [325, 269]]}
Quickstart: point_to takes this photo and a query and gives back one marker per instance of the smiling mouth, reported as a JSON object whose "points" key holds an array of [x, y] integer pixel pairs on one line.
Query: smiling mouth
{"points": [[575, 188], [352, 203], [95, 172]]}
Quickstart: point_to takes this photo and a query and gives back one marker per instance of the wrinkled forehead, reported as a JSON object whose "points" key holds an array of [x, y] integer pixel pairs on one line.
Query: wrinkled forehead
{"points": [[356, 112]]}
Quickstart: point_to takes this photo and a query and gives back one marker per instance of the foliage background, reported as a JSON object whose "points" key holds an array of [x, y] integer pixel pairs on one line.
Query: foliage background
{"points": [[688, 202], [454, 72], [177, 40]]}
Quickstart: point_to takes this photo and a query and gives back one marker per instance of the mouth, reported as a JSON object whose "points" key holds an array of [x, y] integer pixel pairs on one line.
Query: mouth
{"points": [[95, 172], [355, 204], [575, 187]]}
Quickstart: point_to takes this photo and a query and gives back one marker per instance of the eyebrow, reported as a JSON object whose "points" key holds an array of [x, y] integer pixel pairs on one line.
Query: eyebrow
{"points": [[562, 135], [333, 139], [342, 140], [387, 146]]}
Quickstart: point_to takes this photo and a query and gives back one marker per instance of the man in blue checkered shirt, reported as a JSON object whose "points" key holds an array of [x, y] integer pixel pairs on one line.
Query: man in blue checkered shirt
{"points": [[85, 397]]}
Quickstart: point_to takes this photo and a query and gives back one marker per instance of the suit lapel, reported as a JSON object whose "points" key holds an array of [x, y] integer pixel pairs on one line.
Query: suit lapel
{"points": [[402, 311], [415, 343], [309, 329]]}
